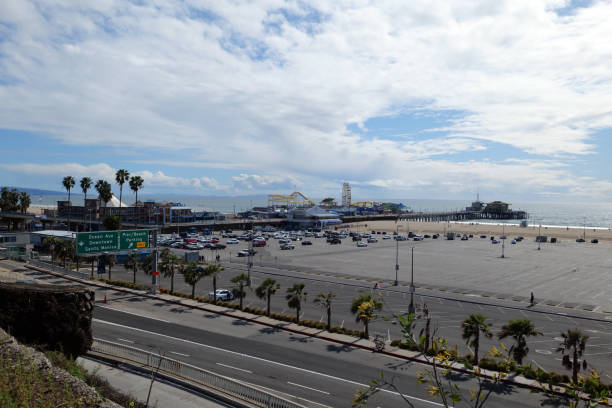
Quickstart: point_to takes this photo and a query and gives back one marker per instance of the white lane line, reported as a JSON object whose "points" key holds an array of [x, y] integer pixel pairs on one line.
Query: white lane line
{"points": [[179, 354], [598, 354], [308, 388], [523, 313], [125, 340], [500, 310], [548, 317], [135, 314], [263, 360], [234, 368], [460, 305]]}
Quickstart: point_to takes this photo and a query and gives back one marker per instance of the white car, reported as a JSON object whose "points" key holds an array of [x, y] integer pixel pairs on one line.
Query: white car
{"points": [[386, 236], [372, 240], [222, 294], [232, 241], [362, 244]]}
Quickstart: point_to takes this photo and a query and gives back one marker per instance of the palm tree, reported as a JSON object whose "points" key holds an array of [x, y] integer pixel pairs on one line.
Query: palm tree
{"points": [[104, 192], [168, 264], [133, 261], [472, 327], [109, 260], [519, 330], [265, 291], [192, 275], [295, 296], [574, 343], [136, 183], [213, 270], [85, 186], [242, 280], [324, 300], [121, 177], [24, 201], [364, 308], [68, 183]]}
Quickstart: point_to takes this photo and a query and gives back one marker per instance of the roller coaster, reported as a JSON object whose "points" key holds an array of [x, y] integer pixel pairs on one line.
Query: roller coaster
{"points": [[295, 199]]}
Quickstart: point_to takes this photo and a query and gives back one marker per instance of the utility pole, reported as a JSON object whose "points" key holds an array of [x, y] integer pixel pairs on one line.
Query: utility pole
{"points": [[411, 306], [540, 236], [503, 239], [250, 257], [584, 230], [396, 253]]}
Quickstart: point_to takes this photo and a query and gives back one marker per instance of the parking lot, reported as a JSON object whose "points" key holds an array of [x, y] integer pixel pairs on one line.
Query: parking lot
{"points": [[568, 274]]}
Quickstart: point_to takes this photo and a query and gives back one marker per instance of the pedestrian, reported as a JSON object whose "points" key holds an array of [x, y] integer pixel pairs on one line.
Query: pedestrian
{"points": [[532, 299]]}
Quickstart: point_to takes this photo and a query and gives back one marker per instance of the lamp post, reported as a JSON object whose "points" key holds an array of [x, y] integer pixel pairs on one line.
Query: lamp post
{"points": [[503, 239], [411, 306], [540, 236], [396, 253]]}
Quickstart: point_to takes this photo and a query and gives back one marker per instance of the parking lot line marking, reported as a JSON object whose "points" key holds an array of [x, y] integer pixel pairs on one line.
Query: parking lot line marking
{"points": [[598, 354], [125, 340], [460, 305], [234, 368], [308, 388], [179, 354], [500, 310], [135, 314]]}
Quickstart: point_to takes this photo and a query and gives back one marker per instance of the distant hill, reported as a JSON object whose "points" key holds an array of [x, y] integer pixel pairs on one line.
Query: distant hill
{"points": [[37, 191]]}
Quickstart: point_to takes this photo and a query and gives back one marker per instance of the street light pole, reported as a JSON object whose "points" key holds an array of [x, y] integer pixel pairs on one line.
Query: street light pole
{"points": [[396, 254], [540, 236], [411, 306], [503, 239]]}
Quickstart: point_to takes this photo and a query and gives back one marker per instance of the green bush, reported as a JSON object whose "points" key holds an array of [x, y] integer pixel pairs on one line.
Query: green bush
{"points": [[124, 284]]}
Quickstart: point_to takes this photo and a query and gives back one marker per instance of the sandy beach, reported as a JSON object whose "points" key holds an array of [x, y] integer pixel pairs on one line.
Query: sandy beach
{"points": [[476, 228]]}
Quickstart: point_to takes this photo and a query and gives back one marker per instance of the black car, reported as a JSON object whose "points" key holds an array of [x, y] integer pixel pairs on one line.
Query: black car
{"points": [[306, 242], [218, 246], [335, 241]]}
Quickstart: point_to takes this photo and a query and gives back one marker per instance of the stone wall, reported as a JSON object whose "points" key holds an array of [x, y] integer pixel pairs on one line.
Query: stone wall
{"points": [[48, 316]]}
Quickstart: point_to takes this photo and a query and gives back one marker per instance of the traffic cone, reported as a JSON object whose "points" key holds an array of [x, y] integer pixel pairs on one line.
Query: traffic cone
{"points": [[105, 298]]}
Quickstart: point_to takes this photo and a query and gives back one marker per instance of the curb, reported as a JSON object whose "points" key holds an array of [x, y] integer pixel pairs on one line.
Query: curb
{"points": [[517, 380]]}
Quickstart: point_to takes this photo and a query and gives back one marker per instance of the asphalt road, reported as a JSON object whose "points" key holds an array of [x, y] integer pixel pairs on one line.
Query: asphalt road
{"points": [[448, 310], [314, 371]]}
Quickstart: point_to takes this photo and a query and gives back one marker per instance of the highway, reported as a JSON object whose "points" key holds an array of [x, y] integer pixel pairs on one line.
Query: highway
{"points": [[318, 373], [448, 310]]}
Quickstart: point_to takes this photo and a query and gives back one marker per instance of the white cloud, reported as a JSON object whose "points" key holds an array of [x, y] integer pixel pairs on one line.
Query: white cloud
{"points": [[242, 84], [264, 183]]}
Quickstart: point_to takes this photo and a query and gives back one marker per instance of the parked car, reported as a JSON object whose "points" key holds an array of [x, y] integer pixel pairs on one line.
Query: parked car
{"points": [[417, 238], [483, 236], [245, 252], [221, 294], [494, 241], [335, 241], [513, 241], [218, 246], [232, 241], [259, 243], [435, 236], [287, 246], [372, 240], [580, 240], [464, 238], [386, 236], [362, 244], [594, 241], [307, 242]]}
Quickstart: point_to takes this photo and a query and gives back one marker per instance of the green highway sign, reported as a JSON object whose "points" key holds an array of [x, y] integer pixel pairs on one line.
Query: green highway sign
{"points": [[111, 241], [136, 239]]}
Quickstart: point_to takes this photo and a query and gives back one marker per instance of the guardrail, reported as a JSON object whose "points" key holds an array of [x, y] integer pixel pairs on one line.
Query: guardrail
{"points": [[59, 269], [224, 385]]}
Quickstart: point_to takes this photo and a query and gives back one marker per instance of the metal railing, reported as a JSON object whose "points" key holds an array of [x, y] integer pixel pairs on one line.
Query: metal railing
{"points": [[225, 385], [59, 269]]}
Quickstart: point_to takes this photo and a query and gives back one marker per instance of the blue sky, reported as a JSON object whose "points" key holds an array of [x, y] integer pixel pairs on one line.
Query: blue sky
{"points": [[509, 98]]}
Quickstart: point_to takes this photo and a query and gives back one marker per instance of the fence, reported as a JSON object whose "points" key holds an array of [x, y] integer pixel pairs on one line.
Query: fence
{"points": [[224, 385], [59, 269]]}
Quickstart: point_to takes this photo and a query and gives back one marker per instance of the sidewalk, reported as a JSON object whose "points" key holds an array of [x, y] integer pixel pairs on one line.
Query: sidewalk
{"points": [[137, 386]]}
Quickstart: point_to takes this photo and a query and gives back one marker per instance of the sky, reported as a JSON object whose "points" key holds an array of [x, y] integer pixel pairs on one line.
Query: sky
{"points": [[508, 98]]}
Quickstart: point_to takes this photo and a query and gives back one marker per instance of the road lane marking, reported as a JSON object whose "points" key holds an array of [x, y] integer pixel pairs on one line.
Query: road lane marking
{"points": [[135, 314], [179, 354], [234, 368], [308, 388], [125, 340], [263, 360]]}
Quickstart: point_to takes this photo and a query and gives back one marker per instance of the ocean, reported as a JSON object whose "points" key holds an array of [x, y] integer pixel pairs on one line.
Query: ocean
{"points": [[592, 214]]}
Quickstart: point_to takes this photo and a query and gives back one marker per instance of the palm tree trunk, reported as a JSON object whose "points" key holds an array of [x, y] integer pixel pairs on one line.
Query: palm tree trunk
{"points": [[172, 281], [297, 314], [120, 198], [241, 295], [268, 309], [328, 318], [193, 291], [84, 207], [69, 209], [134, 273], [476, 341], [110, 267], [575, 367], [365, 329], [92, 266]]}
